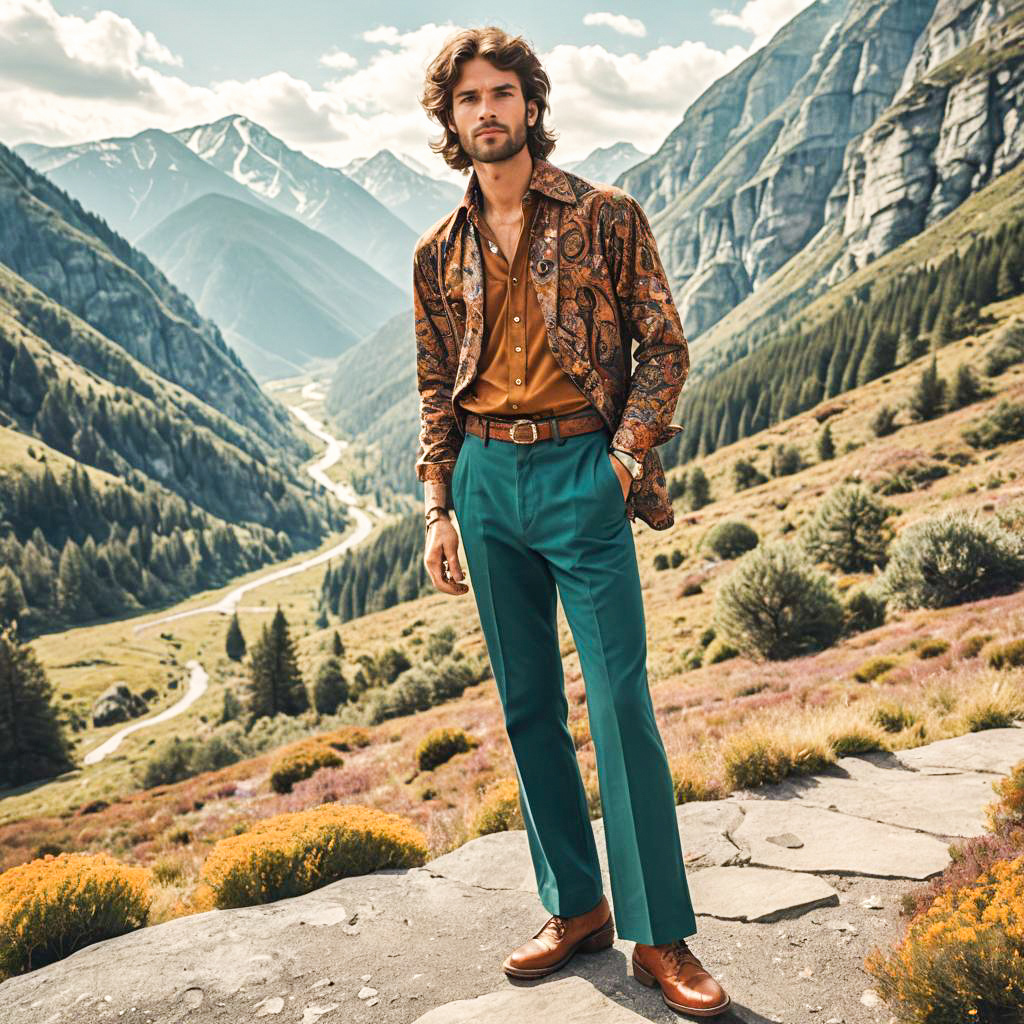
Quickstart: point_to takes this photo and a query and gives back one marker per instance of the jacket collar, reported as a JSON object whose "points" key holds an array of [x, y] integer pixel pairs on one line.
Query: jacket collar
{"points": [[546, 178]]}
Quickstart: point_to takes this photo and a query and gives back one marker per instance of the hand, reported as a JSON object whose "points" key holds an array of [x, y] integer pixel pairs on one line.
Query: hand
{"points": [[442, 557], [625, 480]]}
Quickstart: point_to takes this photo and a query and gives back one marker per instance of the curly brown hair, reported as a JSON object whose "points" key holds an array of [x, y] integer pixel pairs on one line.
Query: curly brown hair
{"points": [[506, 53]]}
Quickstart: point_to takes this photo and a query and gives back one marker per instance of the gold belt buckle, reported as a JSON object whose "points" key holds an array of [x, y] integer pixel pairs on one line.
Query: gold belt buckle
{"points": [[512, 431]]}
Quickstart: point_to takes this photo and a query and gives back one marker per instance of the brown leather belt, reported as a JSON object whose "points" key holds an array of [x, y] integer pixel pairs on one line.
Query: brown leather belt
{"points": [[526, 430]]}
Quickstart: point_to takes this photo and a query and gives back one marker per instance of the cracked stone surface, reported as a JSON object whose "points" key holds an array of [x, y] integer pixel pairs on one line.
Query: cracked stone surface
{"points": [[571, 1000], [793, 887], [758, 894], [834, 843], [883, 790], [994, 750]]}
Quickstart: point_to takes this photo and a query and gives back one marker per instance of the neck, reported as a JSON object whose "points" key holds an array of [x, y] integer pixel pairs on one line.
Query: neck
{"points": [[503, 184]]}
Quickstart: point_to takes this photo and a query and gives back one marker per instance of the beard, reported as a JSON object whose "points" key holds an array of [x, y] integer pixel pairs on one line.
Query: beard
{"points": [[488, 149]]}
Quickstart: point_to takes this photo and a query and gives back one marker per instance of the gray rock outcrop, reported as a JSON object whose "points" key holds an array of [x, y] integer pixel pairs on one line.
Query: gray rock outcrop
{"points": [[867, 120], [793, 885], [117, 704]]}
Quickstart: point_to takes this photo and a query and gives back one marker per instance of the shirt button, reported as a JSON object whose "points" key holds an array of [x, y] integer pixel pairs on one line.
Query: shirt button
{"points": [[518, 381], [519, 348], [515, 319], [515, 280], [514, 406]]}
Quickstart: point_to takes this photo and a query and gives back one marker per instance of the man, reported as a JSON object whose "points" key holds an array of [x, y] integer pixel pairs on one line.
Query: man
{"points": [[535, 432]]}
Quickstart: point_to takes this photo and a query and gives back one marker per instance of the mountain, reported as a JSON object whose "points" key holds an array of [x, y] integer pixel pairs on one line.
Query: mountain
{"points": [[606, 163], [141, 461], [417, 198], [74, 258], [133, 183], [284, 295], [323, 198], [858, 124], [373, 399], [951, 129]]}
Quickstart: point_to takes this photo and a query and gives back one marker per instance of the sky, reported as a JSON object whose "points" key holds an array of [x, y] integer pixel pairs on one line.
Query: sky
{"points": [[340, 79]]}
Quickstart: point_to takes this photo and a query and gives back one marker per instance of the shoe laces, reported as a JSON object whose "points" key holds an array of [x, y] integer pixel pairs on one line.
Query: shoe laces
{"points": [[680, 953], [559, 925]]}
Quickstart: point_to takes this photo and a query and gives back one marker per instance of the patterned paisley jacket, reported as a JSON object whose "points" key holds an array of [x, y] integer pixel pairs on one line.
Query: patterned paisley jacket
{"points": [[600, 284]]}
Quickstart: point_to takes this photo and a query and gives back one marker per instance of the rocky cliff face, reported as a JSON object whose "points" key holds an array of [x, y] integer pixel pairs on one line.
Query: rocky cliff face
{"points": [[876, 116], [955, 124]]}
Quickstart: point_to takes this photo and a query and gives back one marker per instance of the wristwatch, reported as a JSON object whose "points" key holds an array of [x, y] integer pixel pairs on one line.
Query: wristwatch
{"points": [[636, 469]]}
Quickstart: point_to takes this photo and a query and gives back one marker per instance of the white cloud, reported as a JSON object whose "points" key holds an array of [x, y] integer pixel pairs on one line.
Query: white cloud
{"points": [[65, 79], [598, 97], [616, 22], [386, 34], [100, 57], [762, 18], [339, 60]]}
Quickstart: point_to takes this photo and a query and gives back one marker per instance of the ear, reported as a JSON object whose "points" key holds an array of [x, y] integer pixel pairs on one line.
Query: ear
{"points": [[532, 108]]}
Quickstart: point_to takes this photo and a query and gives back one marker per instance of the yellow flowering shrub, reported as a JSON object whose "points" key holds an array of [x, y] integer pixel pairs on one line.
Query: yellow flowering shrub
{"points": [[300, 762], [346, 737], [962, 959], [296, 852], [500, 809], [1008, 808], [53, 906], [441, 745]]}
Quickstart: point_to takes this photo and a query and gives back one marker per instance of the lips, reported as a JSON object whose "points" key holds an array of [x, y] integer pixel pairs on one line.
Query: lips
{"points": [[490, 131]]}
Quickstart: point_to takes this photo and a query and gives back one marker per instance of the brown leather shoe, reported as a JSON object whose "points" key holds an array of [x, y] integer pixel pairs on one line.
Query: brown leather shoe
{"points": [[685, 986], [558, 939]]}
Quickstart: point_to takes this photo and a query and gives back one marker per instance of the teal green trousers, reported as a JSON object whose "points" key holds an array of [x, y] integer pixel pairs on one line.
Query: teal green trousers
{"points": [[547, 517]]}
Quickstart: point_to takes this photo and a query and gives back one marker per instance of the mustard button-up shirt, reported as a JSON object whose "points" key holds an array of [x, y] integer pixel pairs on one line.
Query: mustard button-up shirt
{"points": [[517, 374]]}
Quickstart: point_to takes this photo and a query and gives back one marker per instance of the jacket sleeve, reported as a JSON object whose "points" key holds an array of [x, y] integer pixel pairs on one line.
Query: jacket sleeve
{"points": [[650, 317], [436, 365]]}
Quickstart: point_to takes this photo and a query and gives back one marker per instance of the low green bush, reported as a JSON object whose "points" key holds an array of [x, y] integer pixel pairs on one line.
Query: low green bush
{"points": [[775, 604], [1003, 424], [950, 558], [730, 539], [863, 609]]}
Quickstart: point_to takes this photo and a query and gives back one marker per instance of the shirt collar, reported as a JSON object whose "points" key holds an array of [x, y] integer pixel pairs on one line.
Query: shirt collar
{"points": [[546, 178]]}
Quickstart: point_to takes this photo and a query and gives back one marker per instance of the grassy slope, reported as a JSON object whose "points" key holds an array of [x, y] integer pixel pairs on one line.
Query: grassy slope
{"points": [[698, 710]]}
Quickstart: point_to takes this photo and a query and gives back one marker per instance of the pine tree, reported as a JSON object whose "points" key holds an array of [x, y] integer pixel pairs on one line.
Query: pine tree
{"points": [[71, 590], [826, 446], [276, 685], [337, 647], [330, 690], [12, 597], [929, 395], [944, 331], [1007, 283], [231, 709], [33, 744], [699, 489], [880, 356], [234, 642], [966, 387]]}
